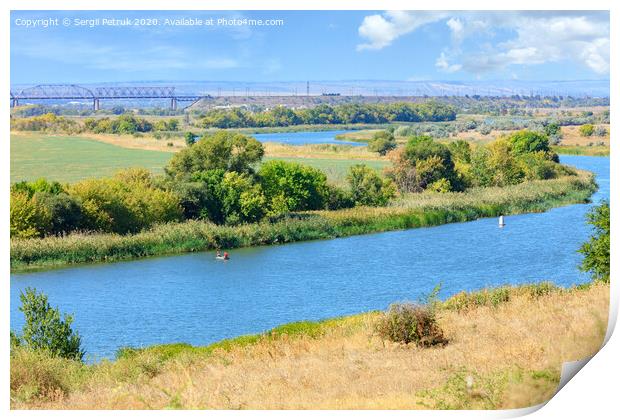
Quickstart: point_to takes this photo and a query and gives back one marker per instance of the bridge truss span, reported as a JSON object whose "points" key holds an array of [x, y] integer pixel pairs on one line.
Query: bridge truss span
{"points": [[77, 92]]}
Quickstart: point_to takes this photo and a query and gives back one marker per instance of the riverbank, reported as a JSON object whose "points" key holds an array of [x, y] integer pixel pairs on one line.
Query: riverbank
{"points": [[602, 150], [505, 350], [413, 211]]}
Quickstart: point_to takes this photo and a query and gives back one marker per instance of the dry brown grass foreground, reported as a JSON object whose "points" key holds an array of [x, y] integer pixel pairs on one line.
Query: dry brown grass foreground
{"points": [[505, 350]]}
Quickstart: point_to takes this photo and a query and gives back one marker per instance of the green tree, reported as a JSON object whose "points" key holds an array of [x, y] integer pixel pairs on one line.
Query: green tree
{"points": [[28, 217], [224, 150], [290, 186], [128, 202], [65, 211], [382, 142], [431, 162], [460, 151], [596, 259], [190, 138], [368, 188], [242, 199], [46, 330], [526, 141]]}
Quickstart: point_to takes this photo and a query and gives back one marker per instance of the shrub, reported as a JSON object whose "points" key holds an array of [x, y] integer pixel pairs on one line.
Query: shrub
{"points": [[600, 131], [128, 202], [368, 188], [64, 210], [242, 199], [290, 186], [40, 185], [504, 168], [460, 151], [190, 138], [596, 259], [526, 141], [28, 217], [421, 163], [586, 130], [338, 198], [45, 330], [410, 323], [382, 142], [38, 375]]}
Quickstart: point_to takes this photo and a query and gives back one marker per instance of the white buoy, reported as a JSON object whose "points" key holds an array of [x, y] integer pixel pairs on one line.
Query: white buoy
{"points": [[501, 221]]}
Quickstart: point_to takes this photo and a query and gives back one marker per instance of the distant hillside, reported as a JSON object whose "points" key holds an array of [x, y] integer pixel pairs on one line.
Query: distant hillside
{"points": [[576, 88]]}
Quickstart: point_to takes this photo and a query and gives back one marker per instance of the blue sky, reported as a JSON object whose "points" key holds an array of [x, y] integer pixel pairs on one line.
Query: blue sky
{"points": [[321, 45]]}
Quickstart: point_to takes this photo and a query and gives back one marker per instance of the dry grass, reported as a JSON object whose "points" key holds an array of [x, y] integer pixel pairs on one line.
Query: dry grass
{"points": [[502, 356], [320, 151], [572, 137], [143, 143], [272, 150]]}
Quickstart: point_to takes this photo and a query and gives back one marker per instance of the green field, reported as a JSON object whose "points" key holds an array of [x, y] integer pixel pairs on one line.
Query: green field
{"points": [[335, 169], [73, 158]]}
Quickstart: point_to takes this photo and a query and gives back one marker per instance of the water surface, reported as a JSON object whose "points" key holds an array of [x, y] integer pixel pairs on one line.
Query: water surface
{"points": [[306, 137], [195, 299]]}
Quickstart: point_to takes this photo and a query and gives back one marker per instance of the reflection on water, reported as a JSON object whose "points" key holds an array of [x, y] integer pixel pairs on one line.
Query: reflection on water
{"points": [[196, 299]]}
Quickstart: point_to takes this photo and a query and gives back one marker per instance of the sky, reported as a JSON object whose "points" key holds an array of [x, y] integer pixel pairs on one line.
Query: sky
{"points": [[308, 45]]}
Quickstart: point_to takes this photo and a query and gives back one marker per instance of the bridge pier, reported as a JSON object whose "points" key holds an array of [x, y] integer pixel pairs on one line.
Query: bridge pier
{"points": [[14, 102], [173, 104], [96, 104]]}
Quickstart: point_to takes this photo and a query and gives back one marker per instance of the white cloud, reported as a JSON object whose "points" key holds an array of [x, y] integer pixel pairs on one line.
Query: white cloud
{"points": [[443, 64], [543, 39], [382, 30], [457, 28], [491, 41]]}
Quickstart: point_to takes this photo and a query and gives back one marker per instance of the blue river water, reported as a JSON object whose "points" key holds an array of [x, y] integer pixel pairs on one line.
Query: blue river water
{"points": [[196, 299], [306, 137]]}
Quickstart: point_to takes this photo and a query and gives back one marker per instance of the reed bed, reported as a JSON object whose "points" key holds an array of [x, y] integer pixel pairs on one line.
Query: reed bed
{"points": [[411, 211]]}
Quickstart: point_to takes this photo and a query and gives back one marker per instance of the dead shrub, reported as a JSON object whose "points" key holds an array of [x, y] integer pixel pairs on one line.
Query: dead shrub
{"points": [[411, 323]]}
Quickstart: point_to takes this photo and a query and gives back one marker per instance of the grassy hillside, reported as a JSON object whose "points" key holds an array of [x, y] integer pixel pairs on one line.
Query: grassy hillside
{"points": [[505, 350]]}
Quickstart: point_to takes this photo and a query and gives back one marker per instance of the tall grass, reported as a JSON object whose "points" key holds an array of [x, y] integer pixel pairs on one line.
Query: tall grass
{"points": [[341, 362], [412, 211], [582, 150]]}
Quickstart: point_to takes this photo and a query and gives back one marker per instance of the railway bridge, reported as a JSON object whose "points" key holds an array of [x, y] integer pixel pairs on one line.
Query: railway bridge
{"points": [[98, 94]]}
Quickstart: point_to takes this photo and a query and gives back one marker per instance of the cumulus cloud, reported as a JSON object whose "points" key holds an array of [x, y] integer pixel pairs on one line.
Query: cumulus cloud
{"points": [[490, 41], [381, 30], [442, 63]]}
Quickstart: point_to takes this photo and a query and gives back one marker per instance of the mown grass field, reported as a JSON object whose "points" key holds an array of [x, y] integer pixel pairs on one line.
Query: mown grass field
{"points": [[505, 350], [72, 158], [67, 158], [335, 169]]}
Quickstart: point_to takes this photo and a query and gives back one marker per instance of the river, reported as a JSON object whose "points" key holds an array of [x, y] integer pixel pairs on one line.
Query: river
{"points": [[196, 299], [307, 137]]}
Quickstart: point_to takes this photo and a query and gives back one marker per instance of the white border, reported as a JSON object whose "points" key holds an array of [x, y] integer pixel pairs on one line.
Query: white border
{"points": [[594, 390]]}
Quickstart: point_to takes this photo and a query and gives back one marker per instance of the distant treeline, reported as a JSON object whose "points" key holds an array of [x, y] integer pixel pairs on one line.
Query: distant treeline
{"points": [[123, 124], [281, 116]]}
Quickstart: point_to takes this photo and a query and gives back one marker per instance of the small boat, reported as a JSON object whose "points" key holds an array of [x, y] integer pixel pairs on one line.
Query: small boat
{"points": [[222, 257], [501, 221]]}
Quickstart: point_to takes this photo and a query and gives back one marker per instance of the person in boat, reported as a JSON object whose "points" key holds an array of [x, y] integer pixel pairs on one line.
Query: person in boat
{"points": [[226, 257], [218, 254]]}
